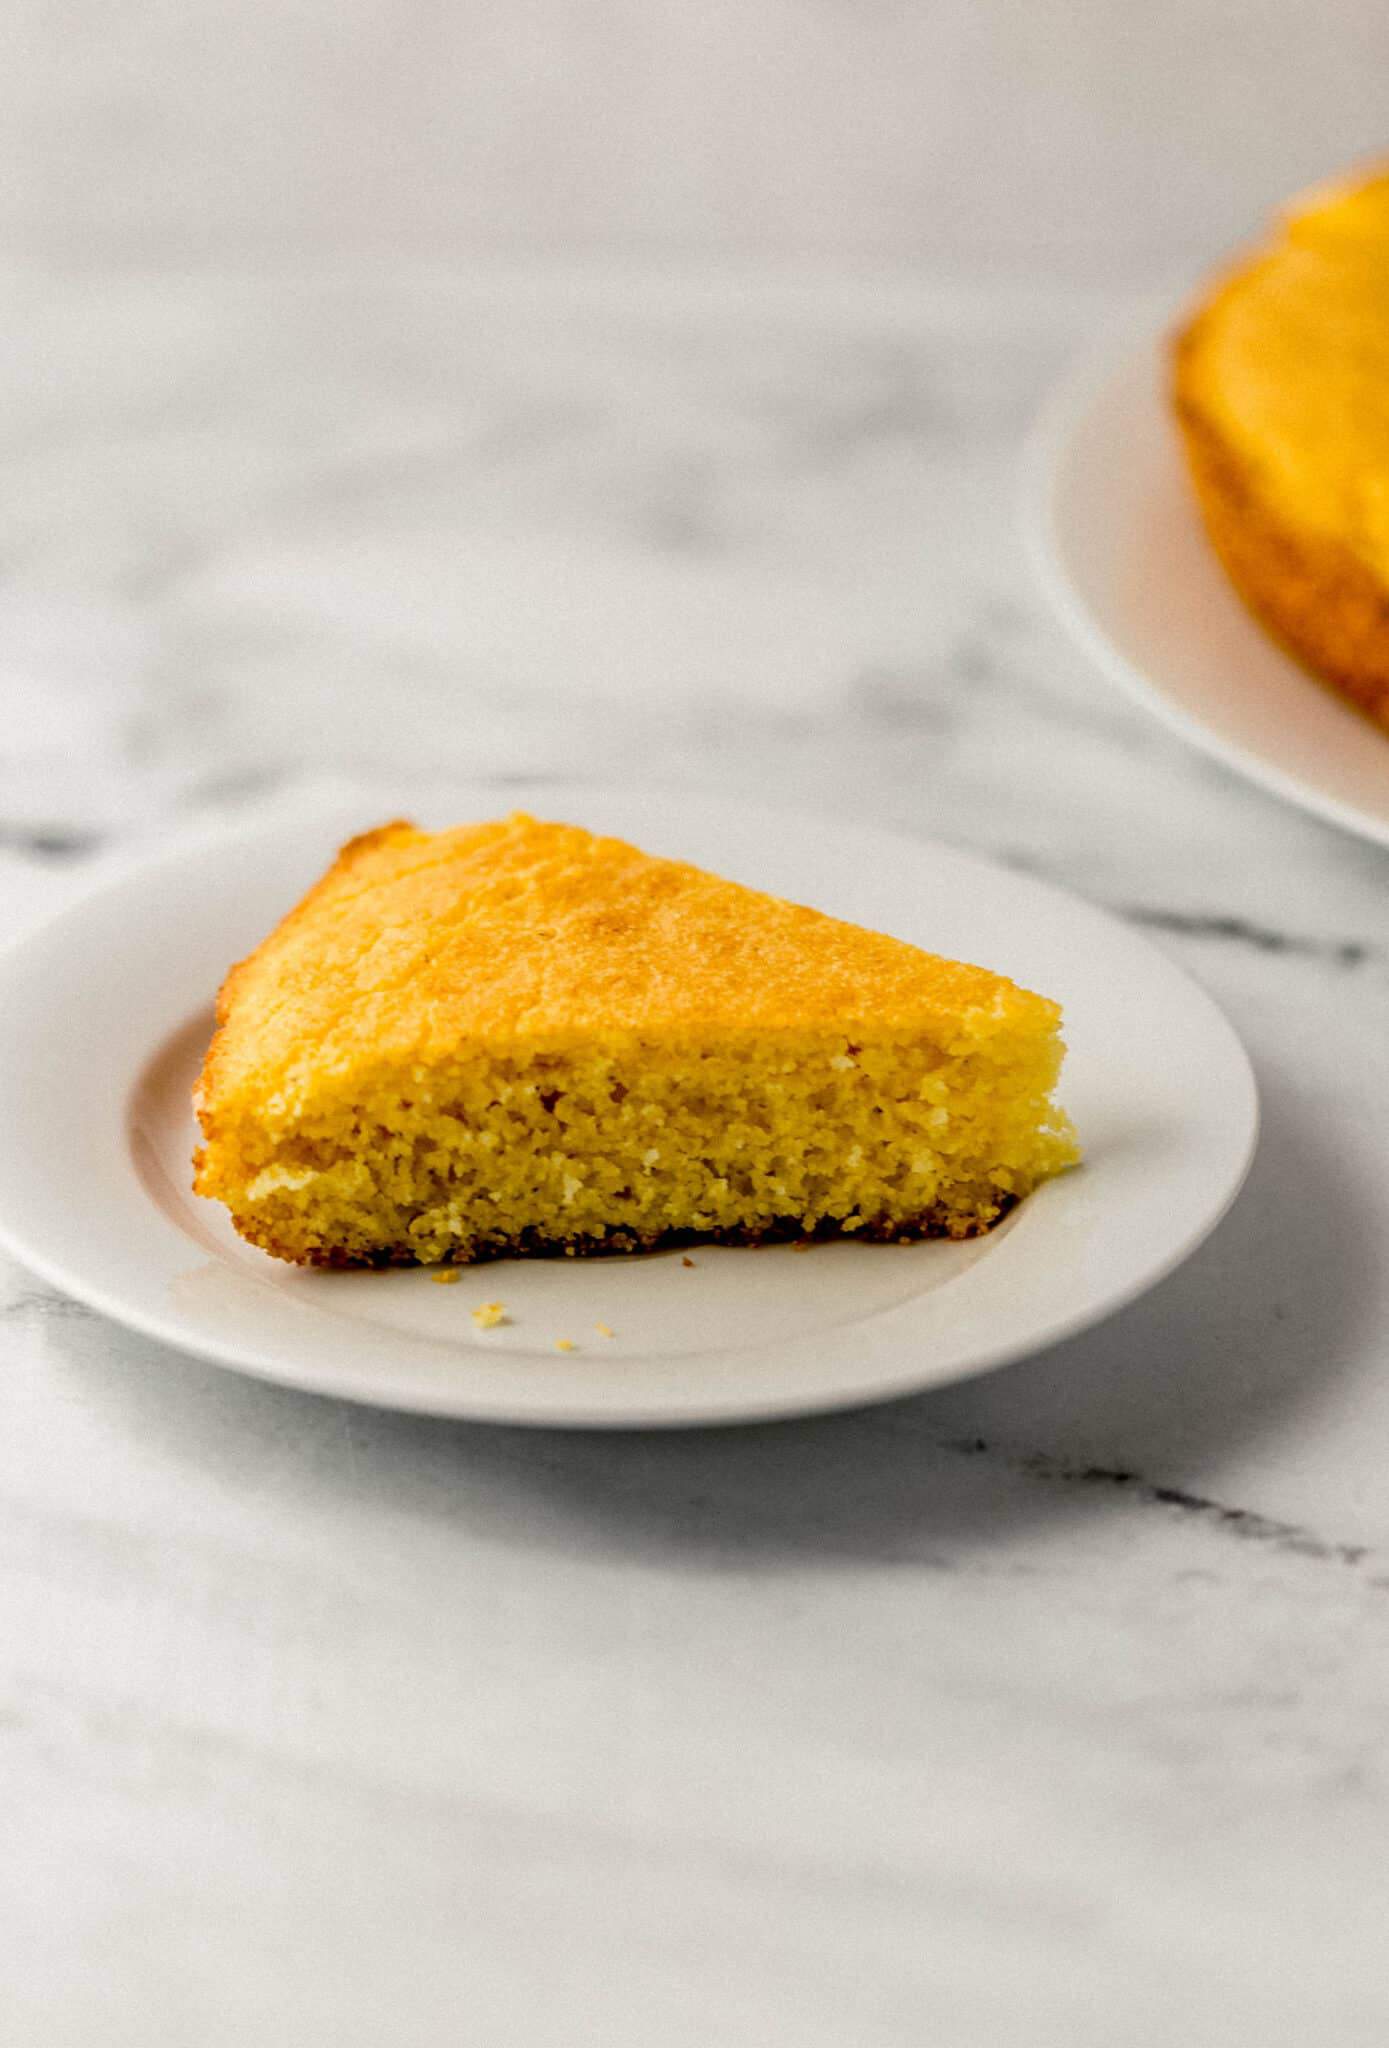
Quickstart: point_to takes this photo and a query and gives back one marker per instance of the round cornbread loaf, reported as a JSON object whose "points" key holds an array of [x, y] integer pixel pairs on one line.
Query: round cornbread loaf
{"points": [[1281, 389]]}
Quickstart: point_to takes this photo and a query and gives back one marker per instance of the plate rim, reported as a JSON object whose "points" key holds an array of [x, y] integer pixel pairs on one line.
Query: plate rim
{"points": [[899, 1381], [1055, 426]]}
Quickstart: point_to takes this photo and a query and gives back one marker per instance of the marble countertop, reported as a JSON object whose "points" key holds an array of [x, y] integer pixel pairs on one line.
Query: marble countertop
{"points": [[1051, 1708]]}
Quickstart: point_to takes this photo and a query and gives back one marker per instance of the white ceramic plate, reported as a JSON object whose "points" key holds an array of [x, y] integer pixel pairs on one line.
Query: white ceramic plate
{"points": [[1113, 530], [105, 1012]]}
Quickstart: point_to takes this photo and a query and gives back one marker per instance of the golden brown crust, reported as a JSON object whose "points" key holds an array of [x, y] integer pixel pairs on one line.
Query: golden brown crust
{"points": [[1323, 604], [543, 934], [535, 1244], [348, 856]]}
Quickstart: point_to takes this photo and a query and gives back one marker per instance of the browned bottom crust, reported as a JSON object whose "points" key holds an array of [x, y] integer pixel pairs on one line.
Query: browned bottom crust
{"points": [[1319, 601], [534, 1244]]}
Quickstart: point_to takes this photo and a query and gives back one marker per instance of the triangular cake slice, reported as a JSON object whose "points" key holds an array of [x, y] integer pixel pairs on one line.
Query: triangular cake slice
{"points": [[521, 1038]]}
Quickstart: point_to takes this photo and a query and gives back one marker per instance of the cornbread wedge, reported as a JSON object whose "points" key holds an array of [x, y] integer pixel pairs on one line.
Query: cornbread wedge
{"points": [[1279, 383], [520, 1038]]}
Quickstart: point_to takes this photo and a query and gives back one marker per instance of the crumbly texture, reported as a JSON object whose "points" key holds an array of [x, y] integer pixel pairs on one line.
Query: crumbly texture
{"points": [[521, 1038], [1281, 388]]}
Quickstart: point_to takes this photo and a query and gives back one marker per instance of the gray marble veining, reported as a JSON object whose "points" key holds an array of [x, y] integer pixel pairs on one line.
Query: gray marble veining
{"points": [[1046, 1709]]}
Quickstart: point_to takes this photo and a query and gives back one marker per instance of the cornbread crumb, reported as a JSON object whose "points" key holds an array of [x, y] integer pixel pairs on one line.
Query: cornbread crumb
{"points": [[687, 1261], [602, 1329], [488, 1314], [565, 1344], [521, 1039], [448, 1278]]}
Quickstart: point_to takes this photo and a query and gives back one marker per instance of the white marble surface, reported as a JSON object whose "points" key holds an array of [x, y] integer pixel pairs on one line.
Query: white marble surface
{"points": [[1103, 137], [1051, 1709]]}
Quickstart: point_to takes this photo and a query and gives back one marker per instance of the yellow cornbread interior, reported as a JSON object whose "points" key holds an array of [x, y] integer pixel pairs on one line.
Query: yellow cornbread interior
{"points": [[520, 1037], [1290, 363], [782, 1138]]}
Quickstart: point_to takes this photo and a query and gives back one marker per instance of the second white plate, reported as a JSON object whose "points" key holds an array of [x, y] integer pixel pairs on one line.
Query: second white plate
{"points": [[1113, 529], [105, 1013]]}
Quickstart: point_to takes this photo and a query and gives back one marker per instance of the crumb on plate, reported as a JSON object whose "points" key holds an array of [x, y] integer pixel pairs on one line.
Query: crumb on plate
{"points": [[447, 1277], [488, 1314], [603, 1329], [565, 1344]]}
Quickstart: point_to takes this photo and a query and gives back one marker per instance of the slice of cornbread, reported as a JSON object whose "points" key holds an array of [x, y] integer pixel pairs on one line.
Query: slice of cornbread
{"points": [[1281, 388], [518, 1037]]}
